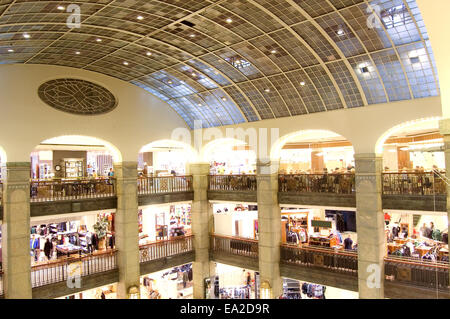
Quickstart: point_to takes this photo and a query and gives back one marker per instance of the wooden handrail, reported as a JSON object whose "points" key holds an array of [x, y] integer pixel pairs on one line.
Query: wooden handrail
{"points": [[165, 241], [53, 263], [408, 262], [249, 240], [322, 250]]}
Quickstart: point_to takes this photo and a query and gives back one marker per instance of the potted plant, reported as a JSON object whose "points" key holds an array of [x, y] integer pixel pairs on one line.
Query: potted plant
{"points": [[101, 229]]}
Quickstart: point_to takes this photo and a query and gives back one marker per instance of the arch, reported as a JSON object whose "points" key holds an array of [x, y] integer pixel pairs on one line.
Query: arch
{"points": [[192, 154], [382, 139], [275, 151], [86, 140]]}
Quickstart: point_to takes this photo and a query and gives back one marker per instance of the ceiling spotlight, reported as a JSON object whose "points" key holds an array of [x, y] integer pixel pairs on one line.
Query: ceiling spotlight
{"points": [[169, 82], [302, 83], [125, 63], [216, 72], [192, 35], [148, 53], [340, 32], [193, 74], [61, 8], [199, 104], [98, 40], [267, 90], [224, 99], [273, 51], [78, 53], [229, 20], [10, 50], [26, 36], [140, 18]]}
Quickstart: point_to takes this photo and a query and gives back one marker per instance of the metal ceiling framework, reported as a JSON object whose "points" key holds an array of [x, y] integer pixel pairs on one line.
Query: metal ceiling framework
{"points": [[231, 61]]}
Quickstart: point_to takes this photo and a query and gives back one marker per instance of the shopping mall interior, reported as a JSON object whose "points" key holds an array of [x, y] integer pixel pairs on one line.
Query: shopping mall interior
{"points": [[224, 149]]}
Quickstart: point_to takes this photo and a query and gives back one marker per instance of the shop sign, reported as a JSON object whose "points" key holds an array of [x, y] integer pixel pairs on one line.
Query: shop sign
{"points": [[74, 273]]}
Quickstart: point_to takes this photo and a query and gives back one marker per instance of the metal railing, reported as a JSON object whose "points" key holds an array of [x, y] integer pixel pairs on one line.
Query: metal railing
{"points": [[164, 184], [424, 273], [232, 182], [317, 183], [430, 183], [235, 245], [54, 272], [331, 259], [56, 190], [166, 248]]}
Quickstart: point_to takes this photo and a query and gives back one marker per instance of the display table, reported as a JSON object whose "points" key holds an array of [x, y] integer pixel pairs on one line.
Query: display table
{"points": [[392, 247], [423, 250], [68, 249]]}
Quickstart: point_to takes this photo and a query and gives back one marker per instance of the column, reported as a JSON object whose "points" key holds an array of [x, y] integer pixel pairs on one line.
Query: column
{"points": [[202, 224], [126, 227], [370, 226], [445, 131], [16, 231], [269, 223]]}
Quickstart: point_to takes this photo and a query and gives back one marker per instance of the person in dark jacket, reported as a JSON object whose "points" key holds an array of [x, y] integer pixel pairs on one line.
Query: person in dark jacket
{"points": [[48, 247], [348, 243]]}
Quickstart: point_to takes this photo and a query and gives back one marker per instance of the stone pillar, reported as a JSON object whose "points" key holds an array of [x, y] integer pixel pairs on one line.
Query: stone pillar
{"points": [[444, 126], [370, 226], [202, 226], [16, 231], [269, 223], [127, 227]]}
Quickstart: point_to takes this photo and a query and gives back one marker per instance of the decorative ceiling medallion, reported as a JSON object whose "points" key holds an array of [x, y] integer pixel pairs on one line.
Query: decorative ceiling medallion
{"points": [[77, 96]]}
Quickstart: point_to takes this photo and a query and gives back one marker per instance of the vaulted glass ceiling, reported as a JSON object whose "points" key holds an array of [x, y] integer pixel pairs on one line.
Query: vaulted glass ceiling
{"points": [[231, 61]]}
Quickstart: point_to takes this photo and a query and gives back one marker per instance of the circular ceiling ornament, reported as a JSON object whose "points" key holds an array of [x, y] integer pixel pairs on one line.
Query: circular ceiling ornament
{"points": [[77, 96]]}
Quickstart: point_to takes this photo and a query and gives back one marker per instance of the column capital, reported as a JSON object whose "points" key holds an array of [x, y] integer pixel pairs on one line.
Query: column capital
{"points": [[199, 168], [368, 156], [267, 167], [444, 126]]}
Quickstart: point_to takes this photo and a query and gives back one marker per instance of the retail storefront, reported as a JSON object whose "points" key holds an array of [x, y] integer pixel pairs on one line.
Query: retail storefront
{"points": [[174, 283], [417, 235], [294, 289], [237, 220], [161, 222], [232, 282], [105, 292], [52, 238], [319, 227]]}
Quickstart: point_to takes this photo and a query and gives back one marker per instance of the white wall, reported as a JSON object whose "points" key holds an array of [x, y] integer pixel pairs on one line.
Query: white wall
{"points": [[25, 120]]}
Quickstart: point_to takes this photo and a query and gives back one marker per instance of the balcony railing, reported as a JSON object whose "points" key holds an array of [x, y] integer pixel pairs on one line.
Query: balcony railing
{"points": [[232, 182], [423, 273], [235, 246], [330, 259], [56, 190], [317, 183], [59, 271], [166, 248], [164, 184], [413, 184]]}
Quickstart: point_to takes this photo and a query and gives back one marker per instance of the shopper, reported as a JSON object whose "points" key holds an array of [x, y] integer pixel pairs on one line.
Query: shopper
{"points": [[348, 243], [48, 248]]}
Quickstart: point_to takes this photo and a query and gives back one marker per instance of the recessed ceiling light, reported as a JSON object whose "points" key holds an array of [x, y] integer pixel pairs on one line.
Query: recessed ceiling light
{"points": [[216, 72], [125, 63], [340, 32], [77, 52], [170, 82], [192, 35], [229, 20], [98, 40], [199, 104], [224, 99], [193, 74], [302, 83], [273, 51], [267, 90], [26, 36], [60, 7], [10, 50], [140, 18]]}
